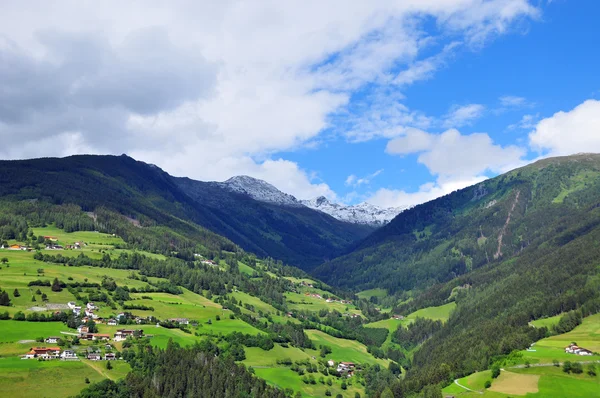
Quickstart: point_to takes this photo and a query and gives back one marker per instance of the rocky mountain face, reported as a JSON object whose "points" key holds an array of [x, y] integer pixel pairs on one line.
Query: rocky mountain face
{"points": [[363, 213]]}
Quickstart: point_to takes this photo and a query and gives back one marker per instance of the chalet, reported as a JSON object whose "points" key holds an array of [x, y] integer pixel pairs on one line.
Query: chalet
{"points": [[181, 321], [122, 334], [91, 306], [54, 247], [109, 356], [77, 310], [43, 352], [329, 300], [52, 340], [346, 301], [331, 363], [209, 262], [68, 355], [398, 317], [51, 238], [83, 329], [112, 322], [94, 357], [71, 304], [100, 336], [575, 349], [290, 314], [345, 367], [15, 247]]}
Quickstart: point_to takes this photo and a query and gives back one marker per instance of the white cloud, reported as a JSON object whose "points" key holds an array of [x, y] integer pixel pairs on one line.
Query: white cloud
{"points": [[566, 133], [385, 197], [455, 160], [512, 101], [459, 116], [527, 122], [213, 89], [354, 181]]}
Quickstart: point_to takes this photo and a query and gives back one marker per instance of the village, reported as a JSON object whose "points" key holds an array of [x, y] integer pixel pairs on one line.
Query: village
{"points": [[93, 353]]}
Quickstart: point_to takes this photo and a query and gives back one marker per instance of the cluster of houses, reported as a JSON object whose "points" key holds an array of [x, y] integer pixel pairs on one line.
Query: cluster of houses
{"points": [[180, 321], [88, 310], [329, 300], [16, 247], [343, 368], [575, 349], [50, 353]]}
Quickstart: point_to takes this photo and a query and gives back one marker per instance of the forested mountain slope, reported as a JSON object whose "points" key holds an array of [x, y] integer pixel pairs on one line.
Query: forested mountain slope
{"points": [[545, 204], [143, 192]]}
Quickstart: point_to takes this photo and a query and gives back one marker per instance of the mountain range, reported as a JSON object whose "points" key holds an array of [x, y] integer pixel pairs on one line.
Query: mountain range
{"points": [[251, 213], [508, 251]]}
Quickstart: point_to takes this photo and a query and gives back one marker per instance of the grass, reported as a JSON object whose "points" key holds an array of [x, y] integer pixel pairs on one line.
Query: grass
{"points": [[11, 332], [297, 301], [32, 378], [90, 237], [546, 322], [586, 335], [367, 294], [344, 350], [515, 383], [285, 378], [258, 357], [441, 313]]}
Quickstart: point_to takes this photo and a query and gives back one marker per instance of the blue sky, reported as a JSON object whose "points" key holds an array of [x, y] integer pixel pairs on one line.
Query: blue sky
{"points": [[394, 102], [547, 64]]}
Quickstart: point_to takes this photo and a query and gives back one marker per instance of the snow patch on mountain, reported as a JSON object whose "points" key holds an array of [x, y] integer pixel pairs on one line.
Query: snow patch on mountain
{"points": [[363, 213], [259, 190]]}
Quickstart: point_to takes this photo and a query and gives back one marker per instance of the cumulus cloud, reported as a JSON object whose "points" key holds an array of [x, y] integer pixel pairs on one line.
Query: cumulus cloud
{"points": [[455, 160], [512, 101], [566, 133], [213, 89]]}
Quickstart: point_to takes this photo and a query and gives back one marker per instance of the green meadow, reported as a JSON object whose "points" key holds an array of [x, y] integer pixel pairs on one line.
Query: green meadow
{"points": [[344, 350], [441, 313]]}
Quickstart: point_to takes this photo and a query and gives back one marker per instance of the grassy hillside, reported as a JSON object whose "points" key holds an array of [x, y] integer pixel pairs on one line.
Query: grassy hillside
{"points": [[221, 301], [148, 197]]}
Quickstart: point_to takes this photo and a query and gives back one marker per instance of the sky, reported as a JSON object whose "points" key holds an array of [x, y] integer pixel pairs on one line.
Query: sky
{"points": [[390, 102]]}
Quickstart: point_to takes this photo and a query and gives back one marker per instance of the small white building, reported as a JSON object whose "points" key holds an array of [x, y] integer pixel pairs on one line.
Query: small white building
{"points": [[52, 340], [331, 363], [68, 355], [72, 304], [112, 322]]}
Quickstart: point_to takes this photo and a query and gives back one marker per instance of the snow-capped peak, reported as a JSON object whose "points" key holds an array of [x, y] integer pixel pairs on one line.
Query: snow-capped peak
{"points": [[259, 190], [363, 213]]}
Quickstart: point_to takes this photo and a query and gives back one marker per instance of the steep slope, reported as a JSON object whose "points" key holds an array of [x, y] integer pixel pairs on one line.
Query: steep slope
{"points": [[363, 213], [295, 234], [259, 190], [490, 222], [277, 227], [513, 249]]}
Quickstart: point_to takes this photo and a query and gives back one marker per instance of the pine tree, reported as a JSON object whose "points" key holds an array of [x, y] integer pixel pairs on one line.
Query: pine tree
{"points": [[56, 285], [16, 293]]}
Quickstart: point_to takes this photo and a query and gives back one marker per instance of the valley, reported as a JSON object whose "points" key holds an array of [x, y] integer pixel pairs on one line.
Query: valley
{"points": [[105, 293]]}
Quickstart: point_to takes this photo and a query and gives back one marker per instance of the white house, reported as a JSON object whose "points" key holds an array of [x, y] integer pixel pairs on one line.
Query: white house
{"points": [[52, 340], [109, 356], [94, 357], [112, 322], [181, 321], [72, 304], [68, 355], [331, 363], [83, 329]]}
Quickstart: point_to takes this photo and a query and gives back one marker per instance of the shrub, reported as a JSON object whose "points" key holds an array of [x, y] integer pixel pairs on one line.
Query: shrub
{"points": [[487, 384]]}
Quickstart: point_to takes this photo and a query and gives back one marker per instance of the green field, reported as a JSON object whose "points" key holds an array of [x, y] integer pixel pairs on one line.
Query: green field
{"points": [[552, 382], [32, 378], [90, 237], [344, 350], [285, 378], [441, 313], [367, 294], [546, 322], [298, 301], [586, 335]]}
